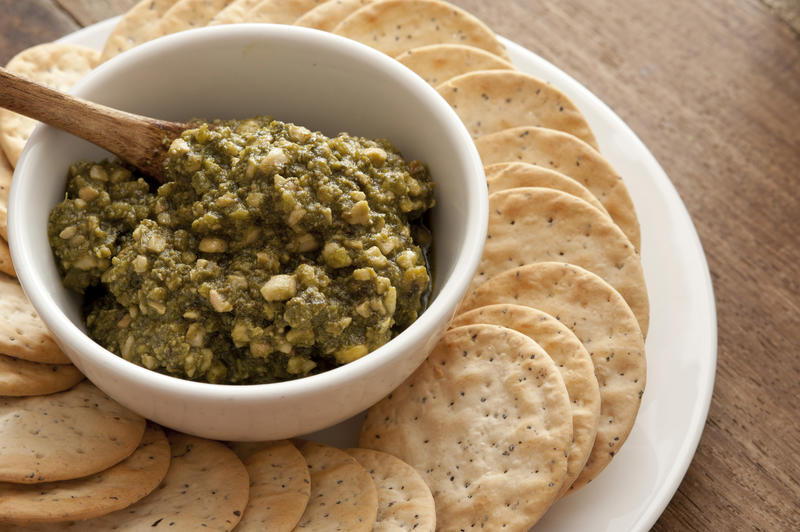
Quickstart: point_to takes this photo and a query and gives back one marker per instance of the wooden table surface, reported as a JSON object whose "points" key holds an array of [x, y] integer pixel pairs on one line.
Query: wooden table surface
{"points": [[713, 89]]}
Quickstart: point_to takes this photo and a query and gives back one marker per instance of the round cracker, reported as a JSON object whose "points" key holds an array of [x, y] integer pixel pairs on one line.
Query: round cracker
{"points": [[6, 171], [488, 101], [137, 25], [503, 176], [486, 421], [279, 487], [394, 26], [405, 502], [570, 156], [601, 319], [328, 15], [280, 11], [188, 14], [573, 362], [528, 225], [437, 63], [58, 65], [234, 13], [65, 435], [343, 496], [4, 223], [22, 332], [205, 488], [99, 494], [21, 378], [6, 266]]}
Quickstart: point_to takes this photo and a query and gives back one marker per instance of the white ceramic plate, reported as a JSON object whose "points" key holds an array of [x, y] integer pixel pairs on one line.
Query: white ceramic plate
{"points": [[681, 346]]}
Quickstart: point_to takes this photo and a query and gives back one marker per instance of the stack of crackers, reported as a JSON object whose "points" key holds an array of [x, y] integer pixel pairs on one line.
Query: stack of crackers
{"points": [[77, 460], [527, 398]]}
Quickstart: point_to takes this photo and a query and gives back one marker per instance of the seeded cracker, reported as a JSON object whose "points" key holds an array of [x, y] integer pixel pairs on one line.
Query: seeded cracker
{"points": [[280, 11], [188, 14], [528, 225], [279, 487], [22, 378], [343, 496], [99, 494], [486, 421], [136, 26], [328, 15], [22, 332], [394, 26], [488, 101], [405, 502], [570, 156], [573, 362], [234, 13], [437, 63], [6, 266], [57, 65], [65, 435], [6, 171], [205, 489], [602, 320], [503, 176]]}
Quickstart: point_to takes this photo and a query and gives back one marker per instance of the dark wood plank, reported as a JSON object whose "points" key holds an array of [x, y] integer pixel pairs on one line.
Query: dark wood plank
{"points": [[29, 22], [87, 12]]}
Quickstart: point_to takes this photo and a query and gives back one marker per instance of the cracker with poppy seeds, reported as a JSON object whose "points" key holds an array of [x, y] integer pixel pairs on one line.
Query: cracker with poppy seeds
{"points": [[6, 266], [6, 171], [488, 101], [64, 435], [22, 332], [405, 502], [58, 65], [234, 13], [205, 488], [136, 26], [280, 11], [188, 14], [328, 15], [343, 496], [437, 63], [280, 486], [606, 326], [109, 490], [394, 26], [570, 156], [528, 225], [22, 378], [502, 176], [486, 421], [573, 361]]}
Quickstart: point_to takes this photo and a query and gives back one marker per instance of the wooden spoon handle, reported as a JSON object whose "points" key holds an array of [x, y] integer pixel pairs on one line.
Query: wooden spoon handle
{"points": [[139, 140]]}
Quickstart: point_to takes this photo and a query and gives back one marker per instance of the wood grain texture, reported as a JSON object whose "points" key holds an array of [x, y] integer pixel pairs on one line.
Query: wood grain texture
{"points": [[29, 22], [713, 89], [788, 10], [87, 12]]}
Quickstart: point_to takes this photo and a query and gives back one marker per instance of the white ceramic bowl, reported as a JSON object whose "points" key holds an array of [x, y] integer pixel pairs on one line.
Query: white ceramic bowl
{"points": [[312, 78]]}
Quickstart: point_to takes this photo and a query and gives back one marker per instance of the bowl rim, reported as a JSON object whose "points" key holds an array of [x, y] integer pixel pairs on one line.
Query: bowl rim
{"points": [[445, 302]]}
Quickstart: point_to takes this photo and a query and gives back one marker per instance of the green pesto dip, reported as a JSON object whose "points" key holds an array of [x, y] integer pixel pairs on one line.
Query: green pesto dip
{"points": [[271, 252]]}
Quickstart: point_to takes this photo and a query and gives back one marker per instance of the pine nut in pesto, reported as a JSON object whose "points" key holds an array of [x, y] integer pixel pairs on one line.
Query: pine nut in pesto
{"points": [[270, 253]]}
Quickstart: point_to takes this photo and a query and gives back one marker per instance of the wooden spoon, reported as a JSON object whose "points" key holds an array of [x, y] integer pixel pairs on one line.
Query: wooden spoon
{"points": [[140, 141]]}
